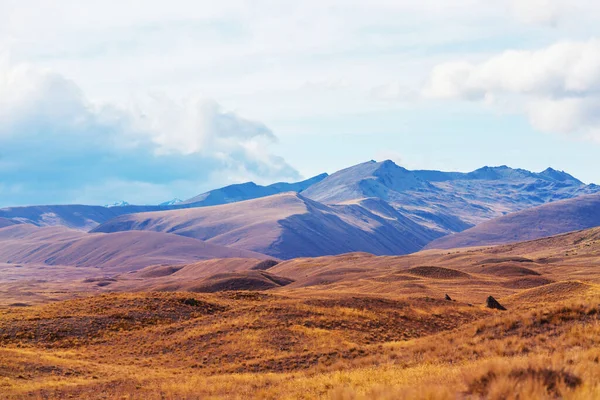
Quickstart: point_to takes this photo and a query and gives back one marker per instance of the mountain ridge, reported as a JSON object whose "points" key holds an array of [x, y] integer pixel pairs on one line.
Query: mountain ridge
{"points": [[285, 225], [248, 191], [432, 197], [382, 207], [534, 223]]}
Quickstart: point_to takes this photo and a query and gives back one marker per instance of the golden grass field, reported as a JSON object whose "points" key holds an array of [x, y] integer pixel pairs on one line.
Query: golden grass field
{"points": [[349, 327]]}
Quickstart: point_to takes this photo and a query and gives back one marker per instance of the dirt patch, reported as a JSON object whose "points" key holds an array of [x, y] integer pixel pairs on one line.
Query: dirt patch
{"points": [[250, 280], [103, 279], [394, 278], [19, 305], [508, 270], [527, 282], [438, 273], [499, 260], [246, 296]]}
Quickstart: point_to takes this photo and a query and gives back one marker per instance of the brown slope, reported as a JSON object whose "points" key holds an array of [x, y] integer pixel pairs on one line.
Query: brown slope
{"points": [[226, 281], [465, 274], [117, 252], [285, 226], [206, 276], [538, 222], [251, 224], [200, 269]]}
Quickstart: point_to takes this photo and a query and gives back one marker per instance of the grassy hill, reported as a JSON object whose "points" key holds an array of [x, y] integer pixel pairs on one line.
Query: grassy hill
{"points": [[354, 326]]}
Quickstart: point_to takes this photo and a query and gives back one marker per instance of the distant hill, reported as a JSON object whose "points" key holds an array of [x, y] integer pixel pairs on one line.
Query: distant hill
{"points": [[538, 222], [71, 216], [288, 225], [86, 217], [118, 252]]}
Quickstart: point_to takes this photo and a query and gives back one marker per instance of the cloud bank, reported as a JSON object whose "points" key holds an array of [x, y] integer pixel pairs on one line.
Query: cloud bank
{"points": [[56, 146], [557, 87]]}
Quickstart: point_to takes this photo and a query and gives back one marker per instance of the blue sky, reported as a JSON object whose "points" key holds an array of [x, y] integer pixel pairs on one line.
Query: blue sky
{"points": [[107, 101]]}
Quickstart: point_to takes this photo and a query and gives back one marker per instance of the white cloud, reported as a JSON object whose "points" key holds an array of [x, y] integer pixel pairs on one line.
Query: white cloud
{"points": [[393, 92], [195, 125], [554, 12], [56, 145], [558, 85], [538, 11]]}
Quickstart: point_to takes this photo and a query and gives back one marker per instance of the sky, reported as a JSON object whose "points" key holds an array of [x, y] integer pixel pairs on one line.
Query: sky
{"points": [[145, 101]]}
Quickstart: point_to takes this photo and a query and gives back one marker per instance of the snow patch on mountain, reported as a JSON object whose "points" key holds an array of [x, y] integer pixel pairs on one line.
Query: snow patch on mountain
{"points": [[121, 203]]}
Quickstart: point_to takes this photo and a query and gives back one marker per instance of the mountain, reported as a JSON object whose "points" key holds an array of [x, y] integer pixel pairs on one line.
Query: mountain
{"points": [[381, 207], [297, 187], [498, 173], [376, 207], [559, 176], [371, 179], [86, 217], [448, 201], [171, 202], [118, 252], [71, 216], [248, 191], [288, 225], [538, 222]]}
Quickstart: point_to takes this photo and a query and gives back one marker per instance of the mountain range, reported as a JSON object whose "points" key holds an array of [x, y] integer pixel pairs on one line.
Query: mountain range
{"points": [[375, 207], [87, 217]]}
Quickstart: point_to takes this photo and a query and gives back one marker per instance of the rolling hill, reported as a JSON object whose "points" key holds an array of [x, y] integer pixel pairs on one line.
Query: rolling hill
{"points": [[288, 225], [538, 222], [110, 253]]}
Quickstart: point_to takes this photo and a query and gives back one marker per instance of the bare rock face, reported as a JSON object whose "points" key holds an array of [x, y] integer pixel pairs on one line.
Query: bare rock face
{"points": [[493, 303]]}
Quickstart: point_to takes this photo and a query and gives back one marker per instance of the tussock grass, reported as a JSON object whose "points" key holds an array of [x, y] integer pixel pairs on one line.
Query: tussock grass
{"points": [[190, 346]]}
